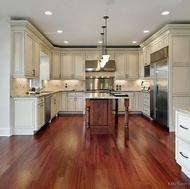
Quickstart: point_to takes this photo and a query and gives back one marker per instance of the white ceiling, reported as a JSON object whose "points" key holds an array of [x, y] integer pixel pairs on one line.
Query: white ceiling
{"points": [[81, 20]]}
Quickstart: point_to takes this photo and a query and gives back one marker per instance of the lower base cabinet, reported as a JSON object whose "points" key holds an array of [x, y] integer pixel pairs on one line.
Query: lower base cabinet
{"points": [[72, 102], [182, 140], [28, 115], [54, 105]]}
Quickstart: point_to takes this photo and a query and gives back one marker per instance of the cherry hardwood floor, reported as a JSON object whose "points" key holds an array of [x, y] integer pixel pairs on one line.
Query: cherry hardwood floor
{"points": [[61, 156]]}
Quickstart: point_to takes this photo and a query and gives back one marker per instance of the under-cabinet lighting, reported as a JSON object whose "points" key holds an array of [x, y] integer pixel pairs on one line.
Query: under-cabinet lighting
{"points": [[134, 42], [66, 42]]}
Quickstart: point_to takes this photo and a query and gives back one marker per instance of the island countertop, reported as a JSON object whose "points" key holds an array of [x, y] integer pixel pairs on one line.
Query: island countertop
{"points": [[103, 96]]}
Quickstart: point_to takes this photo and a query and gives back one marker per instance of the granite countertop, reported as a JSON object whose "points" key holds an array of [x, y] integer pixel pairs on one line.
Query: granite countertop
{"points": [[184, 109], [102, 96], [43, 93]]}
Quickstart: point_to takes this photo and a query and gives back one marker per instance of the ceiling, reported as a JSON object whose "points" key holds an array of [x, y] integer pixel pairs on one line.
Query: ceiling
{"points": [[81, 20]]}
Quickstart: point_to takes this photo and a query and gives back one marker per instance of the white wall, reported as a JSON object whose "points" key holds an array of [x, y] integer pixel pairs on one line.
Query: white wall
{"points": [[5, 129]]}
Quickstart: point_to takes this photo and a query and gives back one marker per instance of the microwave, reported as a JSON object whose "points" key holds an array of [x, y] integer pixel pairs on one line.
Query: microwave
{"points": [[147, 71]]}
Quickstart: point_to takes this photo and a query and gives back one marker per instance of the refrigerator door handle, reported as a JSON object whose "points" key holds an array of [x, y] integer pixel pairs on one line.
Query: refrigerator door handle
{"points": [[157, 90]]}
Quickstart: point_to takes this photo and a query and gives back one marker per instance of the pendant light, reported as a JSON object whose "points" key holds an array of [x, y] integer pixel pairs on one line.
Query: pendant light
{"points": [[105, 56]]}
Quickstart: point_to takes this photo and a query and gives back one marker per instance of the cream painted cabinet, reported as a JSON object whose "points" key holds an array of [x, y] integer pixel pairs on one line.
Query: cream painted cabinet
{"points": [[146, 55], [120, 59], [63, 101], [78, 66], [25, 55], [127, 66], [137, 106], [182, 140], [146, 103], [93, 56], [54, 105], [121, 107], [28, 115], [141, 65], [75, 101], [68, 66], [55, 66]]}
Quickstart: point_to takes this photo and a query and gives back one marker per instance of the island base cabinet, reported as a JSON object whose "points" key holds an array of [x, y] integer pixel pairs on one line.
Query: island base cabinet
{"points": [[99, 118]]}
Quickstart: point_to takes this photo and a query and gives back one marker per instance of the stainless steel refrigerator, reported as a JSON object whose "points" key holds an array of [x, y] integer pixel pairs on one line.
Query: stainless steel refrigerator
{"points": [[159, 86]]}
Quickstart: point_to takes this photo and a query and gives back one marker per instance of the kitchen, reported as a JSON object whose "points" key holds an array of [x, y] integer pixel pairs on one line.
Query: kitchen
{"points": [[179, 94]]}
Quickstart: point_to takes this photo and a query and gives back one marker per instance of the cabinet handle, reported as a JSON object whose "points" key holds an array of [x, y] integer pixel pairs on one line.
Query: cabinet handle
{"points": [[183, 155], [183, 127], [33, 72], [42, 105]]}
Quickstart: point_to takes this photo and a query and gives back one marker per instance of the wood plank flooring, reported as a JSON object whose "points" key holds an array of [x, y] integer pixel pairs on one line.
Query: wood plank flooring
{"points": [[61, 156]]}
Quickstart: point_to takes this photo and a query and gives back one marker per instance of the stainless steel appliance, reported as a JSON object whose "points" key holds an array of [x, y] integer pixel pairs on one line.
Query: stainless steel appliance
{"points": [[47, 108], [99, 84], [94, 66], [147, 71], [159, 86]]}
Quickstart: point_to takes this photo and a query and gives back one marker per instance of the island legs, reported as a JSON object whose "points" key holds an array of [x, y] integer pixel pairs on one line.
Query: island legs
{"points": [[126, 129]]}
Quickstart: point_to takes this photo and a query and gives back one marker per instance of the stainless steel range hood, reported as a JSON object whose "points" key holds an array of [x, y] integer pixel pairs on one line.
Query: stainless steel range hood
{"points": [[94, 66]]}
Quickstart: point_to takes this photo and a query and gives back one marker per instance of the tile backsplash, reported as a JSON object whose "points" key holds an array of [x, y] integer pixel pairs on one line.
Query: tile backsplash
{"points": [[20, 86]]}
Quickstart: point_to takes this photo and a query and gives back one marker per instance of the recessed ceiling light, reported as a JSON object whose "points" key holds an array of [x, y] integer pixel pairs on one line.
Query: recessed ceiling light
{"points": [[134, 42], [165, 13], [48, 13], [59, 31], [100, 42], [146, 31], [66, 42]]}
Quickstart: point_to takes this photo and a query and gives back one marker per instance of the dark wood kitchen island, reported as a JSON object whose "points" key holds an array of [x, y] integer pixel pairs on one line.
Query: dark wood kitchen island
{"points": [[99, 114]]}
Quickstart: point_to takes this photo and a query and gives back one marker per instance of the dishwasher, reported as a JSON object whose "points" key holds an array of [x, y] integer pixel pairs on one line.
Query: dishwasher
{"points": [[48, 108]]}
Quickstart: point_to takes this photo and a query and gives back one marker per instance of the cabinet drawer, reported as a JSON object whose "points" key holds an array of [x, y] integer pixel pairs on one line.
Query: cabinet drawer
{"points": [[146, 110], [183, 126], [146, 95], [146, 101], [40, 100], [73, 94], [183, 153]]}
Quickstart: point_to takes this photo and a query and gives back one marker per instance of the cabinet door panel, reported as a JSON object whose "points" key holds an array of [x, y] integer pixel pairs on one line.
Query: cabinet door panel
{"points": [[24, 119], [120, 60], [40, 115], [132, 66], [66, 66], [36, 62], [78, 66], [71, 104], [55, 71], [80, 104], [28, 55]]}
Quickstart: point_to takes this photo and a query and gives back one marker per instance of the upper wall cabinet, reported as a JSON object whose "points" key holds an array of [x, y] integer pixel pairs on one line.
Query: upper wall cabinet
{"points": [[25, 49], [127, 65], [25, 55], [68, 66]]}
